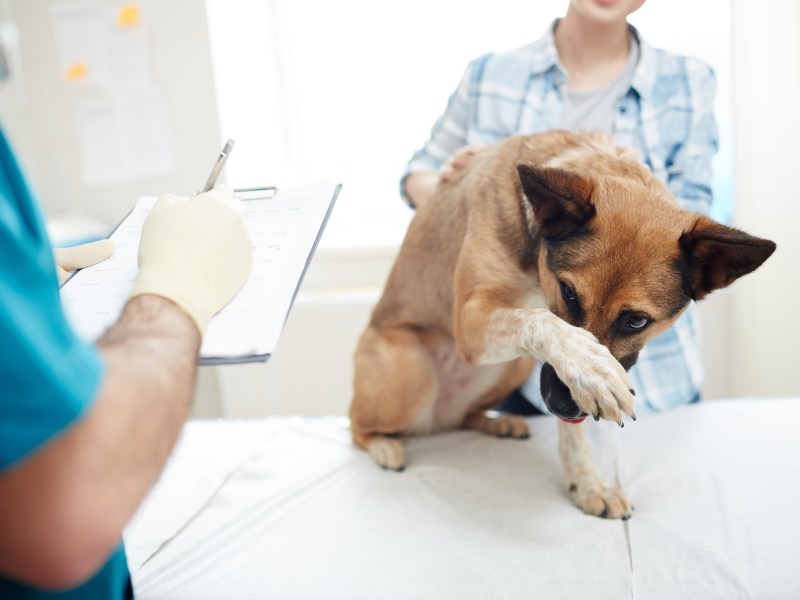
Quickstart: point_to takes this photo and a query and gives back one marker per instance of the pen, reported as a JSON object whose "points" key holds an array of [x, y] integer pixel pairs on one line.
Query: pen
{"points": [[217, 168]]}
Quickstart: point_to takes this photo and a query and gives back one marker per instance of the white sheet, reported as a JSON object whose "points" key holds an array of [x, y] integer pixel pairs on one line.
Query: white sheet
{"points": [[288, 508]]}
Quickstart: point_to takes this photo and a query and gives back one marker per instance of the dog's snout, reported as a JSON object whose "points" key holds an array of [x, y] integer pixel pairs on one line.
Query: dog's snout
{"points": [[557, 396], [629, 360]]}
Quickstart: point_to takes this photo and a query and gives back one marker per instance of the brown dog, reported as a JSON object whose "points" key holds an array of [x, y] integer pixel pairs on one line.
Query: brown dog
{"points": [[569, 217]]}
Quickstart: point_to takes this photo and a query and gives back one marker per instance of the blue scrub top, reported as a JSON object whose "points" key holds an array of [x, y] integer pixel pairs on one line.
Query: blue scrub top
{"points": [[48, 376]]}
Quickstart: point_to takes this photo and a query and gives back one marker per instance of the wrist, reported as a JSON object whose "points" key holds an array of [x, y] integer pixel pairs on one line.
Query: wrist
{"points": [[187, 292], [154, 314]]}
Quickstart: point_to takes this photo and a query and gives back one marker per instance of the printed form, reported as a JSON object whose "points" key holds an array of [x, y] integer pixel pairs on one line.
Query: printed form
{"points": [[285, 229]]}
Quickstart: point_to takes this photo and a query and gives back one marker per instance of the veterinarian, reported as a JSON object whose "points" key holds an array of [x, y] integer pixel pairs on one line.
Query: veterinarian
{"points": [[593, 71], [85, 430]]}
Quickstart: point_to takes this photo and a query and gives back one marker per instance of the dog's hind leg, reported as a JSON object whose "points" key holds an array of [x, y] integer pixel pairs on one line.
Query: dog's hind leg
{"points": [[587, 490], [394, 383], [498, 424]]}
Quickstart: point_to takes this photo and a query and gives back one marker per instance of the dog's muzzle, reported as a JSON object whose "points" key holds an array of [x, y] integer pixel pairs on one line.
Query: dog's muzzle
{"points": [[557, 396]]}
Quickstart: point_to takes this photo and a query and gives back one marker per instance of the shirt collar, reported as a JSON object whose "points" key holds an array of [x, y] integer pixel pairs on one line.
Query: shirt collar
{"points": [[544, 57], [645, 74]]}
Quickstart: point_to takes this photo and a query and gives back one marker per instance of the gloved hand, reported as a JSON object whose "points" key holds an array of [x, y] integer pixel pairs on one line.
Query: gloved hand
{"points": [[196, 252], [79, 257]]}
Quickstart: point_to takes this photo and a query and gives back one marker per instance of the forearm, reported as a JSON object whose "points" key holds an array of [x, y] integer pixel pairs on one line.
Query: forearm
{"points": [[83, 487], [151, 360]]}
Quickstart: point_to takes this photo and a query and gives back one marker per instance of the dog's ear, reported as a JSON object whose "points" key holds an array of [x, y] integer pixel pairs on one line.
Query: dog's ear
{"points": [[561, 200], [715, 255]]}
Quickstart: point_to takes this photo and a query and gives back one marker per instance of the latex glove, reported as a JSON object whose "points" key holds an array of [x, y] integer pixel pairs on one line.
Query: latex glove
{"points": [[80, 257], [196, 252]]}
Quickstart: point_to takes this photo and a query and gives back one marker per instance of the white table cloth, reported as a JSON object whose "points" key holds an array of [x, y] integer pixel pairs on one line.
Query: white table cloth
{"points": [[287, 508]]}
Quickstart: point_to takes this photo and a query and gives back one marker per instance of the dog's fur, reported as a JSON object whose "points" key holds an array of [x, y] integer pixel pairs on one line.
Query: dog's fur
{"points": [[569, 217]]}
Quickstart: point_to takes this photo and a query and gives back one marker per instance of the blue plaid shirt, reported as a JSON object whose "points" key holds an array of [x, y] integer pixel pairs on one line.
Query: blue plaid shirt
{"points": [[666, 115]]}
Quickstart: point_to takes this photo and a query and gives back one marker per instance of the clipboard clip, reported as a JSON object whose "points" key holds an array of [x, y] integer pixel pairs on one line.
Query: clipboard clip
{"points": [[251, 193]]}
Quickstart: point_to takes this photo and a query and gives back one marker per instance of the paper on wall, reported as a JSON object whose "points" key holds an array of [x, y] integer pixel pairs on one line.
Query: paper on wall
{"points": [[122, 119], [124, 137], [101, 45]]}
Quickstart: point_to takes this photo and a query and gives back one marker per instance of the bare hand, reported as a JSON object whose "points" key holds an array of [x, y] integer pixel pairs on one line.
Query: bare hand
{"points": [[453, 166]]}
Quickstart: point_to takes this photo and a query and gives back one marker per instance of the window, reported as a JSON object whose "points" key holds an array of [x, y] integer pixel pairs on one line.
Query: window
{"points": [[349, 89]]}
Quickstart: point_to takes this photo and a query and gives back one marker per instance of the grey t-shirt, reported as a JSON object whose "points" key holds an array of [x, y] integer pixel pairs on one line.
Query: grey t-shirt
{"points": [[594, 109]]}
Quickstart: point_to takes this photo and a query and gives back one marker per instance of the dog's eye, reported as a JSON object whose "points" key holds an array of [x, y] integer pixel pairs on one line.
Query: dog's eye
{"points": [[568, 293], [636, 322]]}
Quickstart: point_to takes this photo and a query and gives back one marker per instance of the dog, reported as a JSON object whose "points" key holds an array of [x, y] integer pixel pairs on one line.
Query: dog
{"points": [[567, 218]]}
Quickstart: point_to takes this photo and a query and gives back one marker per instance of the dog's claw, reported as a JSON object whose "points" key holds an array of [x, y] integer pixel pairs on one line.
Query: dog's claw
{"points": [[596, 416], [620, 423], [632, 391], [633, 416]]}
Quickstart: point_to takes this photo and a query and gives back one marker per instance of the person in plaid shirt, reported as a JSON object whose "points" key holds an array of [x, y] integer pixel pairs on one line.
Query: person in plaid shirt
{"points": [[592, 71]]}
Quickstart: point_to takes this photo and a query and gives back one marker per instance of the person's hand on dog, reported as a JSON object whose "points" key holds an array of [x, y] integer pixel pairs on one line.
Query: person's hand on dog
{"points": [[79, 257], [421, 186], [452, 167]]}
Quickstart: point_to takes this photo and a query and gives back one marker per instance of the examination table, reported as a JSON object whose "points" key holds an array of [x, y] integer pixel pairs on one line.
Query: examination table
{"points": [[286, 508]]}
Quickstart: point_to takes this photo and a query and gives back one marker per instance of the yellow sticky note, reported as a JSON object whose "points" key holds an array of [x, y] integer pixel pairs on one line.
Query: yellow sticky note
{"points": [[76, 71], [128, 15]]}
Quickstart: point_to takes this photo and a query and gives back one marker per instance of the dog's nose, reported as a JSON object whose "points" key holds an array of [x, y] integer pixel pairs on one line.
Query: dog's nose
{"points": [[629, 360], [557, 396]]}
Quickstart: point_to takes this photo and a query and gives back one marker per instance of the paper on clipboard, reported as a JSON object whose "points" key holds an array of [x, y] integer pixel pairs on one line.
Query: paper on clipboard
{"points": [[285, 228]]}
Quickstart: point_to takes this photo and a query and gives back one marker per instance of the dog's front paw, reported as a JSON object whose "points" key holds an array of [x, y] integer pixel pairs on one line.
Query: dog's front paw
{"points": [[594, 497], [597, 382]]}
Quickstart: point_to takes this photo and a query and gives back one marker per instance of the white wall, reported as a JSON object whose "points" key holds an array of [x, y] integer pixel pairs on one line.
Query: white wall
{"points": [[764, 320]]}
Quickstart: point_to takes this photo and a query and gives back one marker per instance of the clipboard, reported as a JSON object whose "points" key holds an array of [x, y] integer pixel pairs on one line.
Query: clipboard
{"points": [[248, 328], [244, 195]]}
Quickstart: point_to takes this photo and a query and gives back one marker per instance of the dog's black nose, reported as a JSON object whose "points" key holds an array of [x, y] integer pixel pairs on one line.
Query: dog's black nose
{"points": [[629, 360], [557, 396]]}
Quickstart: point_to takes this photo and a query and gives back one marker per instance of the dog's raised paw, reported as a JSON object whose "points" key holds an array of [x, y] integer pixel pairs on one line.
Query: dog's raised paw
{"points": [[389, 453], [598, 384], [594, 497], [603, 388]]}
